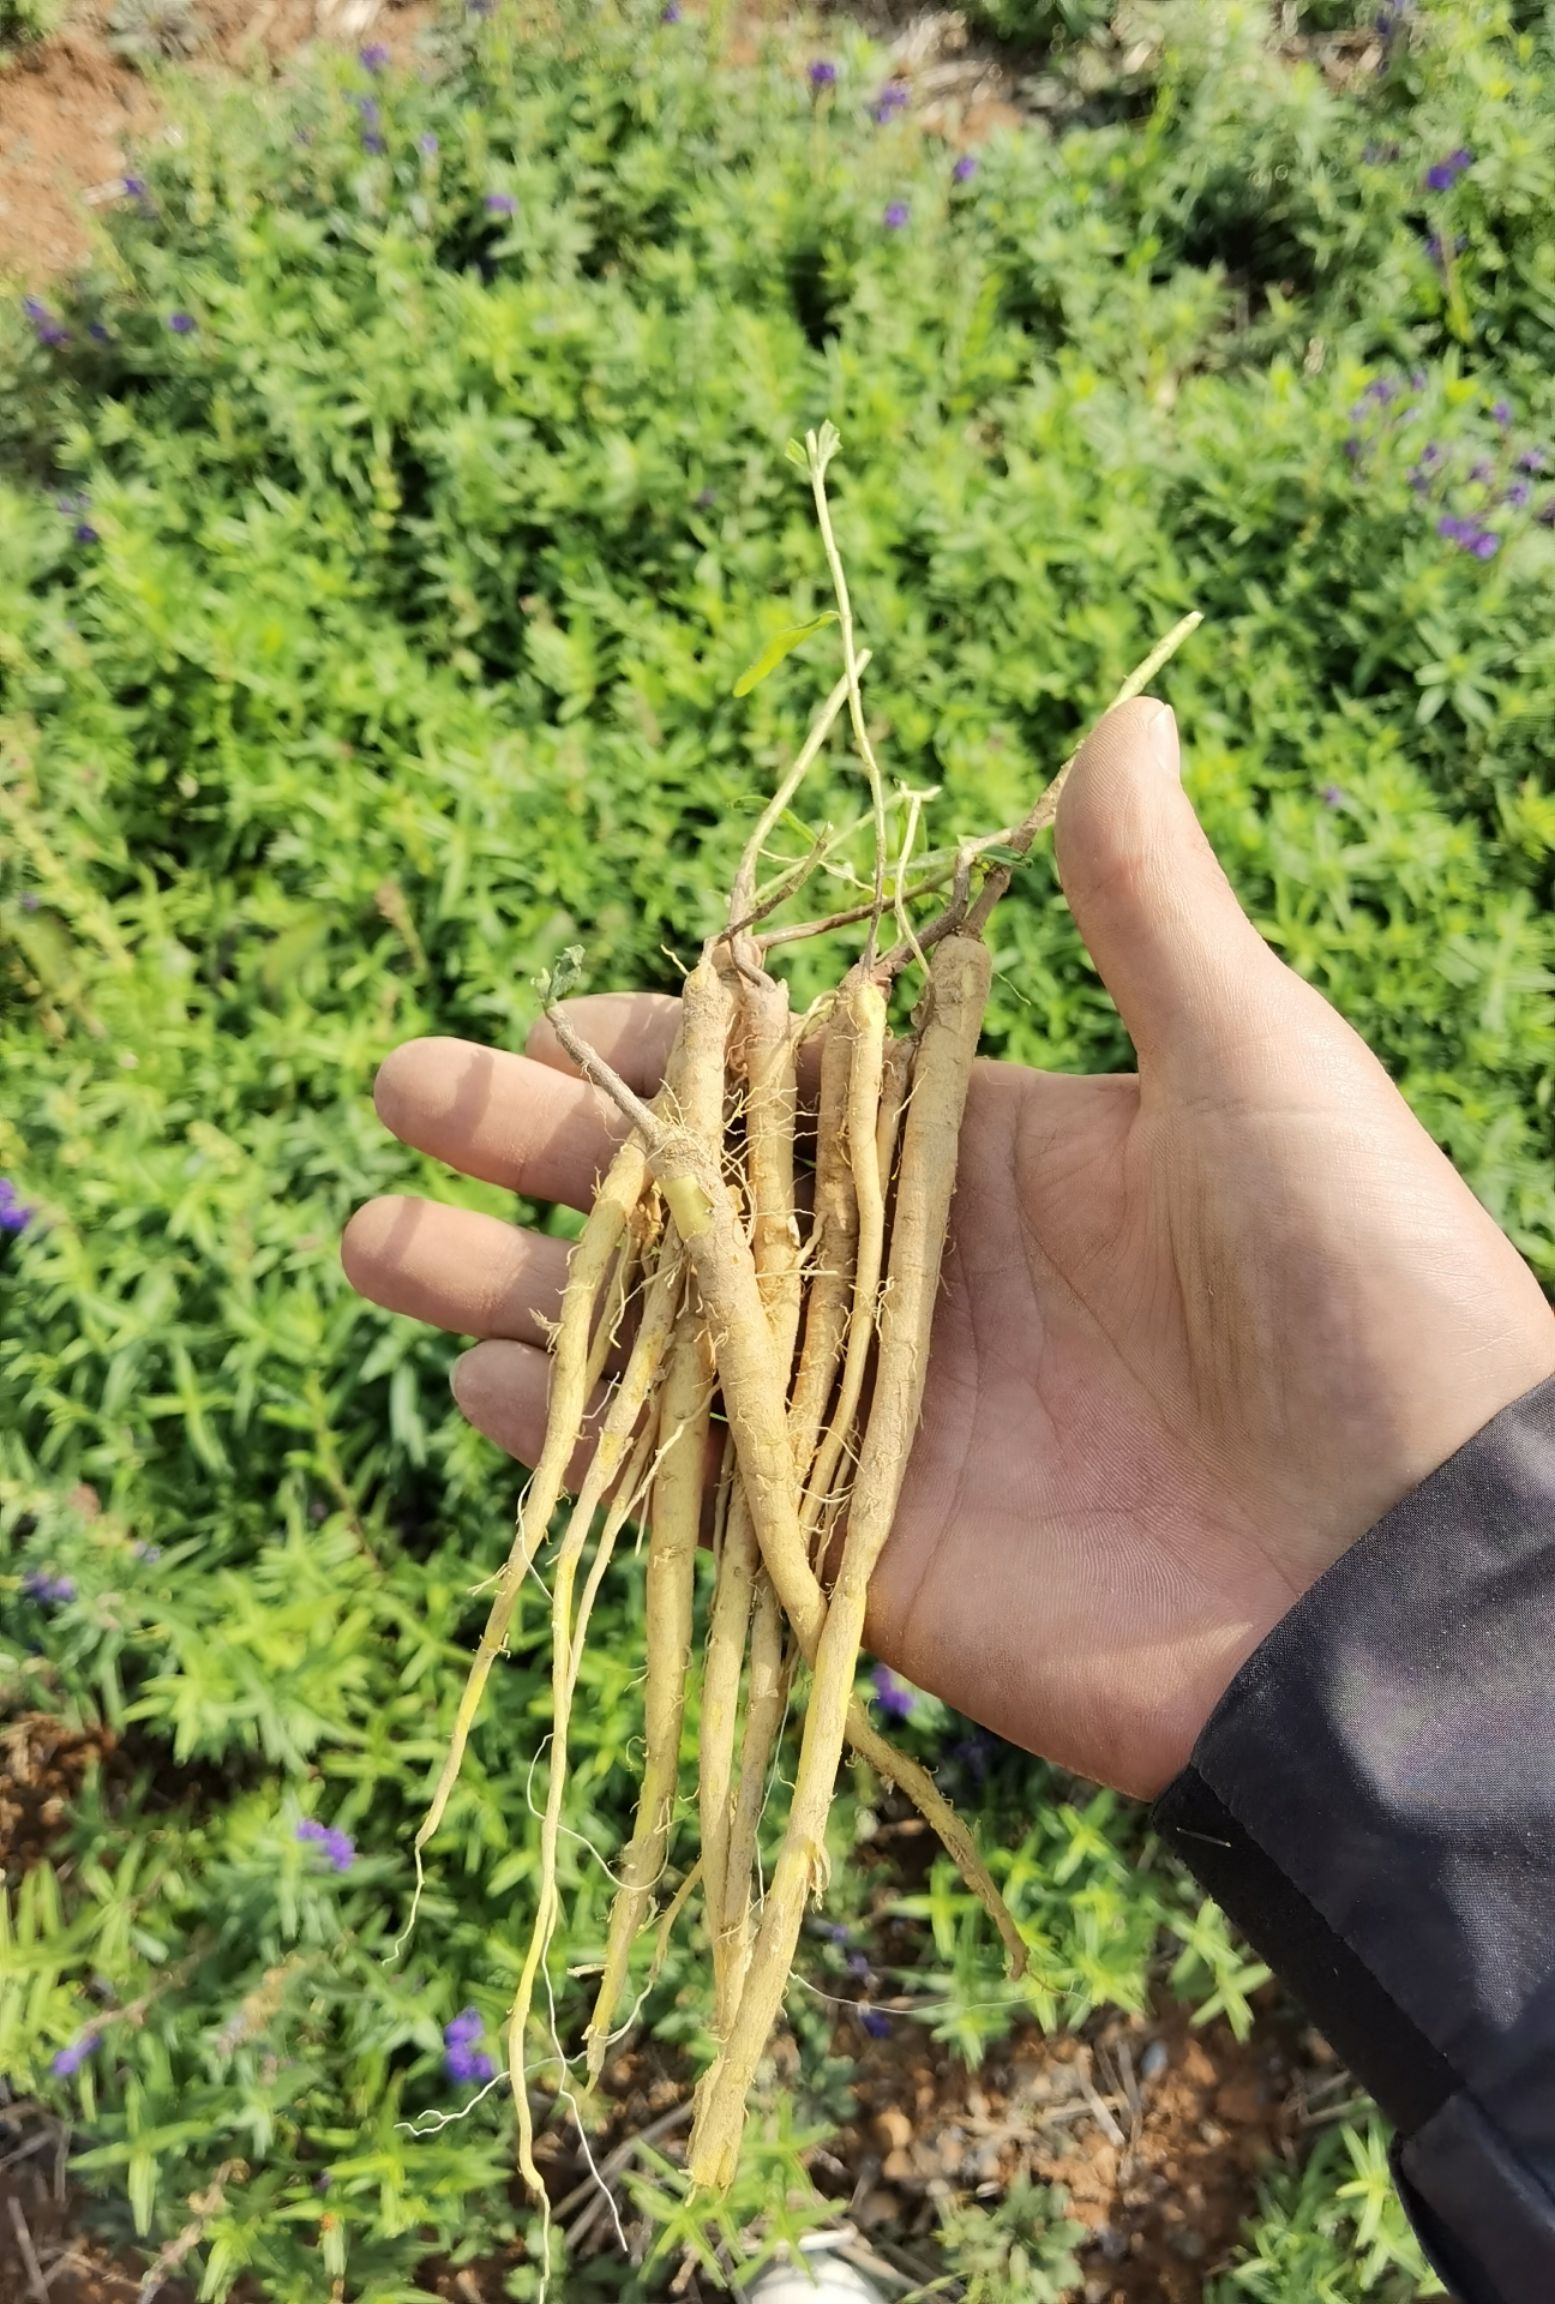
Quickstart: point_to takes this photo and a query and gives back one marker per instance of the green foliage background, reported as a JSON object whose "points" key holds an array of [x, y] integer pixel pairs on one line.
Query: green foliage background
{"points": [[371, 638]]}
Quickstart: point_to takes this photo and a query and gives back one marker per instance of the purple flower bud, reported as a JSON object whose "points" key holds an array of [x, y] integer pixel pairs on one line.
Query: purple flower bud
{"points": [[895, 1699], [45, 326], [1331, 796], [858, 1964], [875, 2022], [669, 13], [14, 1217], [501, 204], [134, 187], [98, 333], [427, 146], [372, 142], [1518, 494], [896, 215], [374, 58], [965, 169], [1485, 546], [49, 1591], [1531, 460], [1430, 453], [70, 2059], [85, 533], [823, 73], [181, 323], [1502, 412], [1480, 470]]}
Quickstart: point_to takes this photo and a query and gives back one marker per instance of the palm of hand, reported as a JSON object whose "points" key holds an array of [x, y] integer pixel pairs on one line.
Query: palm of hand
{"points": [[1196, 1332]]}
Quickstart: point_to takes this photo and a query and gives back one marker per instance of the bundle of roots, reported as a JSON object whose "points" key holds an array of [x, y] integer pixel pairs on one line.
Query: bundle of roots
{"points": [[769, 1317]]}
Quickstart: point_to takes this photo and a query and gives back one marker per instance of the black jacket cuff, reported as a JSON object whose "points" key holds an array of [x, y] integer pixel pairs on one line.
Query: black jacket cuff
{"points": [[1373, 1802]]}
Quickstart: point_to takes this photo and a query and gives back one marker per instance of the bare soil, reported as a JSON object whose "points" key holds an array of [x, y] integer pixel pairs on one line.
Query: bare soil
{"points": [[73, 112]]}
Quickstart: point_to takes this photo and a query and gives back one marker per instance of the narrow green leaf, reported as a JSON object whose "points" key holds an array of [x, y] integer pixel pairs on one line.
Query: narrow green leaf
{"points": [[780, 645]]}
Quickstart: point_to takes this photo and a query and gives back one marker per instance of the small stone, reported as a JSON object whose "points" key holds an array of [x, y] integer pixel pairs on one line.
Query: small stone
{"points": [[1154, 2061]]}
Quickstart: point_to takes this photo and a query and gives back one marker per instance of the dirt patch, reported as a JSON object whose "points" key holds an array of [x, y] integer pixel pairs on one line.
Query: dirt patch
{"points": [[43, 1764], [1156, 2130], [46, 2250], [73, 112]]}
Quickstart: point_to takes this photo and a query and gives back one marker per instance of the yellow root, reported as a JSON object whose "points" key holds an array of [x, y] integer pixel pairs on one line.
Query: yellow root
{"points": [[958, 989], [595, 1256], [675, 1520], [621, 1421]]}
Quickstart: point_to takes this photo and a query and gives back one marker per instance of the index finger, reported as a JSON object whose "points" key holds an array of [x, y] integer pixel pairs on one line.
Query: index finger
{"points": [[633, 1031]]}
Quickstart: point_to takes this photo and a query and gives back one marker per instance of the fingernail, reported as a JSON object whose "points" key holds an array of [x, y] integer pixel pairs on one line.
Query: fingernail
{"points": [[457, 1377], [1164, 743]]}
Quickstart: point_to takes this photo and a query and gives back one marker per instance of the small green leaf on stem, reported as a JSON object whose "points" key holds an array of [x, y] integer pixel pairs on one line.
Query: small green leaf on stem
{"points": [[561, 981], [780, 645]]}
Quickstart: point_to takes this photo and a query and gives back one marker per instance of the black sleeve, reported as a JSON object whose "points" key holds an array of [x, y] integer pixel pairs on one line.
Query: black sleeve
{"points": [[1373, 1802]]}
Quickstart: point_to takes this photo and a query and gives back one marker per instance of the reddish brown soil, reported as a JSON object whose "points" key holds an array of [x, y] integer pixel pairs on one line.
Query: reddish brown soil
{"points": [[72, 111]]}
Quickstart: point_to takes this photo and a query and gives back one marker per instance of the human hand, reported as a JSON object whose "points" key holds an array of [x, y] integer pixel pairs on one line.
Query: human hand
{"points": [[1199, 1328]]}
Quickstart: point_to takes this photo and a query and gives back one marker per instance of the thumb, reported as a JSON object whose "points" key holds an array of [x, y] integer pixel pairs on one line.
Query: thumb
{"points": [[1189, 972]]}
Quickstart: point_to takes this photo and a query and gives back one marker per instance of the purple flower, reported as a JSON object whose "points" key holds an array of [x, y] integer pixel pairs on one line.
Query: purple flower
{"points": [[1355, 447], [1480, 470], [98, 333], [1518, 494], [85, 533], [669, 13], [45, 326], [823, 73], [875, 2022], [374, 58], [134, 188], [896, 215], [481, 7], [1452, 529], [1485, 545], [471, 2064], [891, 100], [373, 142], [1502, 412], [49, 1591], [70, 2059], [1546, 513], [1531, 460], [181, 323], [501, 204], [338, 1846], [858, 1964], [1430, 454], [427, 146], [1444, 174], [1331, 796], [13, 1216], [965, 169], [895, 1699], [463, 2030]]}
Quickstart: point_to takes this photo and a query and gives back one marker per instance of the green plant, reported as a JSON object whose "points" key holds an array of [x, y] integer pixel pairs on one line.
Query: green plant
{"points": [[1331, 2232], [1019, 2252], [24, 21], [373, 583]]}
